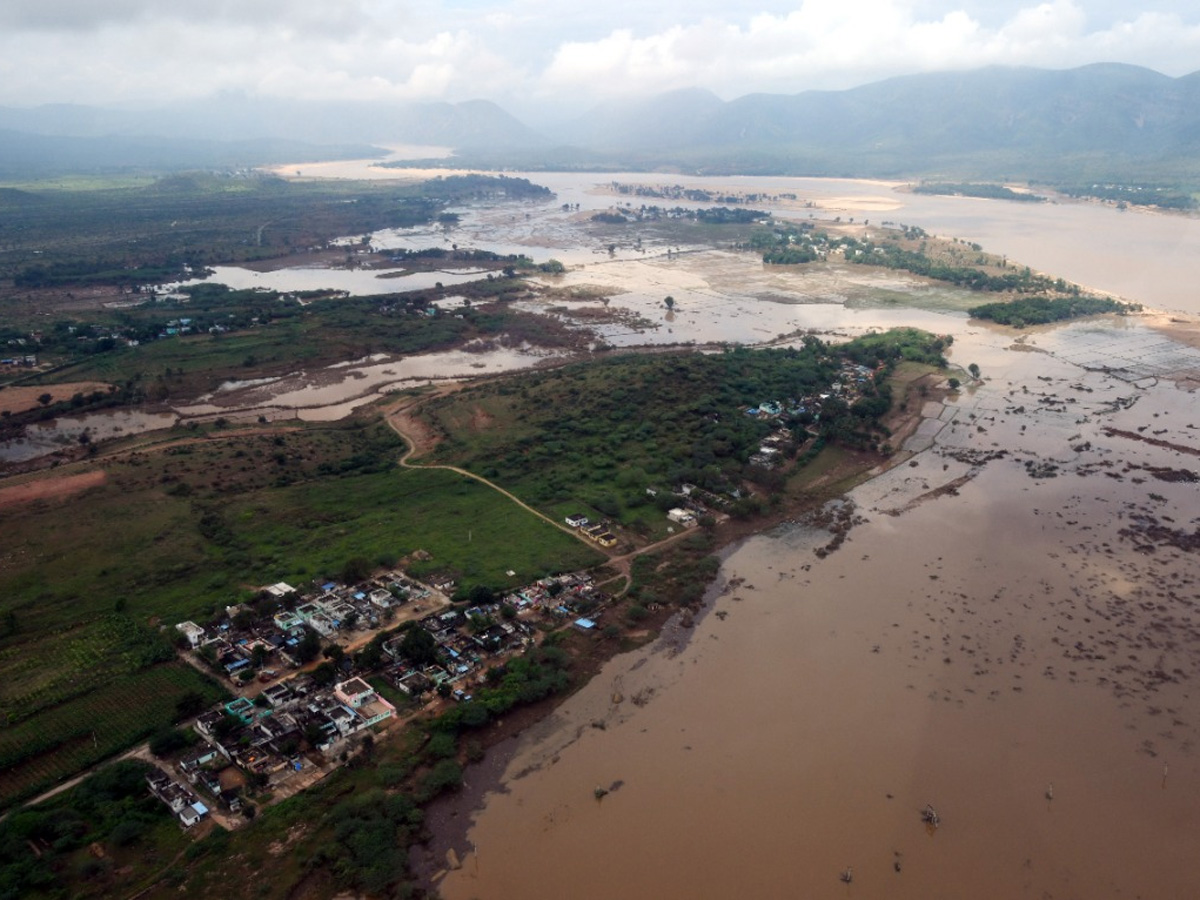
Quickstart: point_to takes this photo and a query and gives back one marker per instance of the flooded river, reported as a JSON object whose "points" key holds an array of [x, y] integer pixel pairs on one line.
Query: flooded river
{"points": [[1149, 257], [1011, 638]]}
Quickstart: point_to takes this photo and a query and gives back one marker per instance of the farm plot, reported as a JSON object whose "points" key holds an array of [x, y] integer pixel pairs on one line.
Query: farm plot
{"points": [[62, 740]]}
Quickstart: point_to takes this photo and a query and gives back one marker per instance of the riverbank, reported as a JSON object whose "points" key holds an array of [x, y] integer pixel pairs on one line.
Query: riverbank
{"points": [[669, 630], [1009, 634]]}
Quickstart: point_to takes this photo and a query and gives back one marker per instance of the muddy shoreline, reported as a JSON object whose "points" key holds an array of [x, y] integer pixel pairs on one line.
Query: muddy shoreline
{"points": [[449, 818]]}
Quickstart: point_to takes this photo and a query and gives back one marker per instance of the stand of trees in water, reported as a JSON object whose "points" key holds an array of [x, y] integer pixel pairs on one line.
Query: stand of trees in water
{"points": [[1042, 310], [985, 191], [797, 244], [1161, 196], [713, 215], [478, 187]]}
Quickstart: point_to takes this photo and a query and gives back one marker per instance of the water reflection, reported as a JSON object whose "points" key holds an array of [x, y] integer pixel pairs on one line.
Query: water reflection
{"points": [[45, 438]]}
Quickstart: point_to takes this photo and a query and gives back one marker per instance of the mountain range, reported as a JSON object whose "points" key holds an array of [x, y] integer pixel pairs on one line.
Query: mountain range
{"points": [[1104, 121]]}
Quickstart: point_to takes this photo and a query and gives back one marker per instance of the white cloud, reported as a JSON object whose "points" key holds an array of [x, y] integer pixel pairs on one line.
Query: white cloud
{"points": [[840, 43], [127, 51]]}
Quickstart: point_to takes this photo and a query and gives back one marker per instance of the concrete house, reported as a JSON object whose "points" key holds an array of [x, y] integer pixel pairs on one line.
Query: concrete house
{"points": [[363, 699]]}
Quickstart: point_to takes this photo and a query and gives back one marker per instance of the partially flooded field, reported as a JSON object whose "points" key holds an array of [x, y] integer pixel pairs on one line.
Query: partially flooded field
{"points": [[721, 295], [333, 392], [360, 282], [46, 437]]}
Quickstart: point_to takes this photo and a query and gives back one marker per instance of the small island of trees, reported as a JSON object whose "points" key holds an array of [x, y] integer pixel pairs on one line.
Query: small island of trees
{"points": [[1043, 310]]}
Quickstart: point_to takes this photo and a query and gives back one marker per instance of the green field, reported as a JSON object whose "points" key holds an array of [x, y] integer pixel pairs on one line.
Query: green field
{"points": [[61, 740]]}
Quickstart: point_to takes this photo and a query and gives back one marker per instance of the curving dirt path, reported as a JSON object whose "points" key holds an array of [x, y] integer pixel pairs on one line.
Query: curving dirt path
{"points": [[420, 440], [425, 441]]}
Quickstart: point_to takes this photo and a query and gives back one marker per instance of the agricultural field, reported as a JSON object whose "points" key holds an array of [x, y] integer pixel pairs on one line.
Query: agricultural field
{"points": [[57, 741]]}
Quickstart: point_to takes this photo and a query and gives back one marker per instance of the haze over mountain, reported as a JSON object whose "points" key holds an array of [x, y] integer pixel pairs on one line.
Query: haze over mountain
{"points": [[1101, 120], [1110, 121]]}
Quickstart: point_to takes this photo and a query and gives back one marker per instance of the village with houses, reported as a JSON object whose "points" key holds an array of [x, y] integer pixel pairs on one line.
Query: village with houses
{"points": [[294, 719], [312, 670]]}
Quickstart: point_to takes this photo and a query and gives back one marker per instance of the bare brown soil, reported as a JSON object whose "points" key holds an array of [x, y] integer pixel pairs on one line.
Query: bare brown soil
{"points": [[52, 488], [19, 399]]}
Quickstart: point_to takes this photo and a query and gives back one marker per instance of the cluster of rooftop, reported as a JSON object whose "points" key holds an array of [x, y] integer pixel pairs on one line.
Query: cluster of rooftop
{"points": [[279, 726]]}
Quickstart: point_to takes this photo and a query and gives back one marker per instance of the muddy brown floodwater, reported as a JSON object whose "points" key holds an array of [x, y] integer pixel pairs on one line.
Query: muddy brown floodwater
{"points": [[1010, 634]]}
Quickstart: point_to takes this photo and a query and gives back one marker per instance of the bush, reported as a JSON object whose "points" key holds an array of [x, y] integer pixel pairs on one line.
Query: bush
{"points": [[126, 833], [172, 740], [356, 569], [442, 746], [445, 776]]}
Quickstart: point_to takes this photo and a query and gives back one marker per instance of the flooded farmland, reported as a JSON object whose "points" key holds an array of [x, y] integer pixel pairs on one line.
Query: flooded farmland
{"points": [[1146, 256], [333, 392], [1009, 634], [45, 438]]}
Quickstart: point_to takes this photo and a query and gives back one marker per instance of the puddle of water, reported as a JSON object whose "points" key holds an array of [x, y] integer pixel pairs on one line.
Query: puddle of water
{"points": [[47, 437], [334, 392]]}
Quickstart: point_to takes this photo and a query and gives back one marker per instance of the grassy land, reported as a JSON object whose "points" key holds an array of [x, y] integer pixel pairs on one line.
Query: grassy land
{"points": [[592, 437], [201, 522]]}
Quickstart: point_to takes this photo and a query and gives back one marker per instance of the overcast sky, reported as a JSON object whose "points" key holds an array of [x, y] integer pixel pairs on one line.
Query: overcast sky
{"points": [[525, 53]]}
